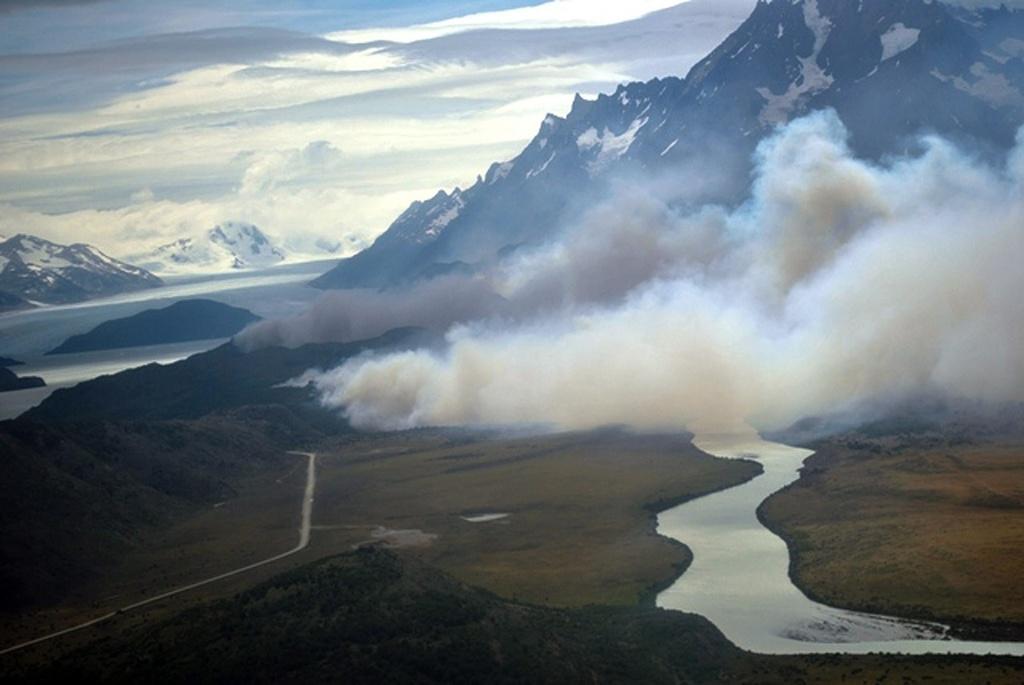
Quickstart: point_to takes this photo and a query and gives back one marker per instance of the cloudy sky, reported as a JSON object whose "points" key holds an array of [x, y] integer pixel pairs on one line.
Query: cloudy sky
{"points": [[130, 123]]}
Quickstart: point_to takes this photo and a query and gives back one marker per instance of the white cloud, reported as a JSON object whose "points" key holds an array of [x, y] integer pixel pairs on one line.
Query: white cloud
{"points": [[268, 171], [285, 214], [547, 15], [230, 139]]}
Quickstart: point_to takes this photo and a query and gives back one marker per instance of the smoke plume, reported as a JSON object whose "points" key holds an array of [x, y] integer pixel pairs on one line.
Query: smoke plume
{"points": [[840, 282]]}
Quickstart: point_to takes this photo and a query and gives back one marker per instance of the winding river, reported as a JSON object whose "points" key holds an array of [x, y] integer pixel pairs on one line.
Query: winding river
{"points": [[739, 578]]}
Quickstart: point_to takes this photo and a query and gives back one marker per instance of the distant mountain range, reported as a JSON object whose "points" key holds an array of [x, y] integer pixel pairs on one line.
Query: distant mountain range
{"points": [[36, 270], [225, 247], [180, 322], [892, 69]]}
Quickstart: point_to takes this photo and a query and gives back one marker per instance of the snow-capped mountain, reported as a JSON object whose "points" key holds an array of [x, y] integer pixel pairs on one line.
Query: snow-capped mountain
{"points": [[228, 246], [892, 69], [42, 271]]}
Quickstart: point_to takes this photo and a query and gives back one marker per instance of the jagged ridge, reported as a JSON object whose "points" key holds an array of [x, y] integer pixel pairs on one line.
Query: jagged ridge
{"points": [[35, 269], [892, 69]]}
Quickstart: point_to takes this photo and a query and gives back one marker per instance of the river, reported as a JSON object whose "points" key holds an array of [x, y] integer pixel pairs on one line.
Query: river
{"points": [[740, 580]]}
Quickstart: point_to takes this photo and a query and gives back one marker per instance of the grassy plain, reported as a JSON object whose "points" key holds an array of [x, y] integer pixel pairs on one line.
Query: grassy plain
{"points": [[920, 525], [579, 532], [580, 527]]}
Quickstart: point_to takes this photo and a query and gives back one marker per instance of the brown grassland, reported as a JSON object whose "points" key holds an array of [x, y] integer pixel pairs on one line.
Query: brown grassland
{"points": [[581, 526], [920, 527], [580, 530]]}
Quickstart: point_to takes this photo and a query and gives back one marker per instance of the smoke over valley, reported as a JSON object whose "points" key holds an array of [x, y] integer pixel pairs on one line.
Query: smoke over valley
{"points": [[838, 283], [670, 341]]}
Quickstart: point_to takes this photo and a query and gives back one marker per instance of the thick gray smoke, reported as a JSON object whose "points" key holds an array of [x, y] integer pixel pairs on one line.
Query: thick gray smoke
{"points": [[623, 242], [344, 315], [838, 283]]}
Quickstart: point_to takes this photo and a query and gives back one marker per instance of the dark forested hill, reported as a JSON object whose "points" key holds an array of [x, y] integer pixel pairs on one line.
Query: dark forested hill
{"points": [[96, 465], [77, 495], [372, 616], [180, 322], [222, 378]]}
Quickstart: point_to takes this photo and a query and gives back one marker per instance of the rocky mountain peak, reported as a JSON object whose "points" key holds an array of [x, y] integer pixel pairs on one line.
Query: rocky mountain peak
{"points": [[891, 69], [39, 270], [231, 245]]}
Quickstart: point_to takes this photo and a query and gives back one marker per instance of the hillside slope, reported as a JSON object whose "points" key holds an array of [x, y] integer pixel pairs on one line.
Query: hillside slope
{"points": [[77, 496]]}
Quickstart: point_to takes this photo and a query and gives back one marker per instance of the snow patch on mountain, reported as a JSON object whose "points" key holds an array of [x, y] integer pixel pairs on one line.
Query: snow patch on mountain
{"points": [[445, 215], [994, 89], [609, 147], [499, 172], [818, 23], [225, 247], [812, 77], [790, 57], [39, 270], [899, 38], [543, 167]]}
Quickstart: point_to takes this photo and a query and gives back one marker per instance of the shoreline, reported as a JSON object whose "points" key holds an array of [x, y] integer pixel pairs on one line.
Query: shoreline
{"points": [[959, 627], [649, 596]]}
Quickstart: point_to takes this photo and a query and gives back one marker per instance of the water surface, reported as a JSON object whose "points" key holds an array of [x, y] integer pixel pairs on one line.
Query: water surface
{"points": [[739, 578], [270, 293], [27, 335], [65, 370]]}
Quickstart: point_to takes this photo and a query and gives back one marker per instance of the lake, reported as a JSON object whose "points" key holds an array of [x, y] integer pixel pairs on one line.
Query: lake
{"points": [[28, 335]]}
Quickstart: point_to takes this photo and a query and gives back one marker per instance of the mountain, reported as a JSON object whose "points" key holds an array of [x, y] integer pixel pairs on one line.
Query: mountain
{"points": [[7, 361], [180, 322], [891, 69], [42, 271], [10, 381], [224, 247]]}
